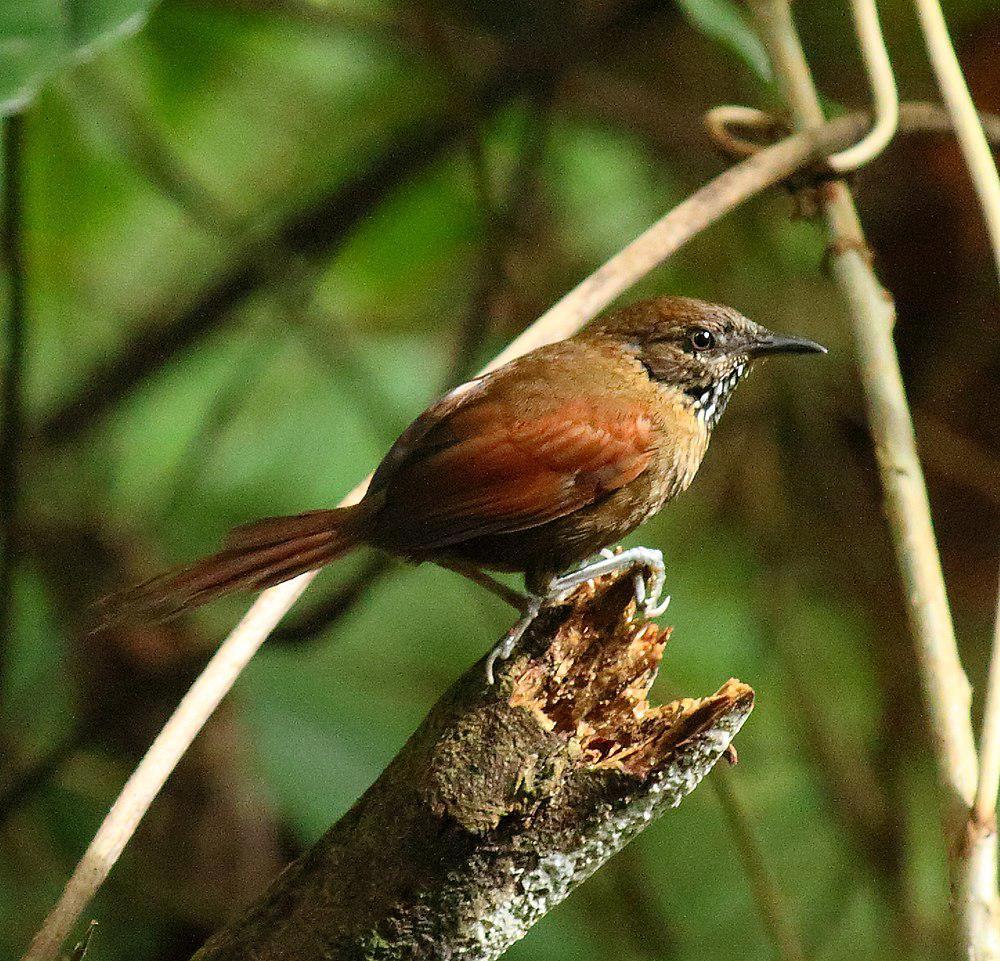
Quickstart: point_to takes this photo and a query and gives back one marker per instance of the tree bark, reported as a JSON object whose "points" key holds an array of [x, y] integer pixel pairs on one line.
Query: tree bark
{"points": [[503, 800]]}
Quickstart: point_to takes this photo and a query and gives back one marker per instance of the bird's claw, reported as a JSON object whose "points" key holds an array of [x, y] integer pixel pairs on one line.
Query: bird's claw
{"points": [[648, 582], [505, 648], [648, 579], [501, 652], [647, 598]]}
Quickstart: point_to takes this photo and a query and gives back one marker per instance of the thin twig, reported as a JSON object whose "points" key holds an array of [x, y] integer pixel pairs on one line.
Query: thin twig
{"points": [[883, 86], [946, 689], [978, 903], [80, 951], [707, 205], [968, 128], [11, 431], [977, 900], [985, 807], [767, 895]]}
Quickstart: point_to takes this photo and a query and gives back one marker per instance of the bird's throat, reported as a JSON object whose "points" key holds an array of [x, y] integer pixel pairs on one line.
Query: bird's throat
{"points": [[709, 400]]}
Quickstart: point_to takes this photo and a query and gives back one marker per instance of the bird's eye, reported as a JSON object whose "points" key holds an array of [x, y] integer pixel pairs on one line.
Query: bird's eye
{"points": [[702, 339]]}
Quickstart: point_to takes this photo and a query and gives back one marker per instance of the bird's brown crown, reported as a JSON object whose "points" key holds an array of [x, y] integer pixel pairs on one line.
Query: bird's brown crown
{"points": [[703, 350]]}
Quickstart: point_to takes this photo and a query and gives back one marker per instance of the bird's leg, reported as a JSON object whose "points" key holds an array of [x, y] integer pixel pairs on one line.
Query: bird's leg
{"points": [[520, 602], [647, 593], [647, 589], [527, 605], [505, 648]]}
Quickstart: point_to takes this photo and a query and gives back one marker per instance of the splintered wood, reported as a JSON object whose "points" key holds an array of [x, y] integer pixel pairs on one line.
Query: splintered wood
{"points": [[591, 685]]}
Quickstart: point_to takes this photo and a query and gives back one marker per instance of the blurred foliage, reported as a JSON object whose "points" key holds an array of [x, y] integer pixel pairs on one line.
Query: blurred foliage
{"points": [[39, 38], [370, 190]]}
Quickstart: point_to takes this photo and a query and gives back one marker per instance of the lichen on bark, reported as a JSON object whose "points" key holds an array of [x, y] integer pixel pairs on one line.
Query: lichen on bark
{"points": [[503, 800]]}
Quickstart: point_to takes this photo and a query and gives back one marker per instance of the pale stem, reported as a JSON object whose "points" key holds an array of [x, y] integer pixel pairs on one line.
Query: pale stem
{"points": [[977, 901], [984, 810], [946, 688], [968, 128], [885, 97]]}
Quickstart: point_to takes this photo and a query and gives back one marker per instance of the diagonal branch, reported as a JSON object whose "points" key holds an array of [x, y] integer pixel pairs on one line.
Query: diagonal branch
{"points": [[505, 799]]}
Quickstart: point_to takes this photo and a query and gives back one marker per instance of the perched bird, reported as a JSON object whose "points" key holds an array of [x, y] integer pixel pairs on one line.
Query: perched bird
{"points": [[532, 468]]}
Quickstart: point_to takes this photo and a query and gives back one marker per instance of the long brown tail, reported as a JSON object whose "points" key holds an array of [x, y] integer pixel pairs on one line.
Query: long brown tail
{"points": [[255, 556]]}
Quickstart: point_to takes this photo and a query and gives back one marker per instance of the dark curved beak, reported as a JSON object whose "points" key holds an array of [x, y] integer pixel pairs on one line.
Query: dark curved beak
{"points": [[776, 344]]}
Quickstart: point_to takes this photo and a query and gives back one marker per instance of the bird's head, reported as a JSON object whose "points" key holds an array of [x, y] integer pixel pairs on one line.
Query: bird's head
{"points": [[703, 350]]}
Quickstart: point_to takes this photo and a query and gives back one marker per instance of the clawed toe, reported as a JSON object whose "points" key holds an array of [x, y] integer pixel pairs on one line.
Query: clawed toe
{"points": [[649, 579], [505, 648], [648, 589]]}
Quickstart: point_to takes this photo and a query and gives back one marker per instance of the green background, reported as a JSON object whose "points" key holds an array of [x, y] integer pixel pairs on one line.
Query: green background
{"points": [[407, 186]]}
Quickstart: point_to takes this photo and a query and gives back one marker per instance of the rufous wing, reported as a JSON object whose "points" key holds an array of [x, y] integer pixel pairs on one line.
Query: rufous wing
{"points": [[487, 467]]}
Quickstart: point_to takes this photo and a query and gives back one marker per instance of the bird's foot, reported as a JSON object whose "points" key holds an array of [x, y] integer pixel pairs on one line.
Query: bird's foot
{"points": [[505, 648], [649, 579]]}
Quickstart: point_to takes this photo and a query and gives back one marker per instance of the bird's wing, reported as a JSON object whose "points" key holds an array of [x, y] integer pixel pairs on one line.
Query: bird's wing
{"points": [[486, 465]]}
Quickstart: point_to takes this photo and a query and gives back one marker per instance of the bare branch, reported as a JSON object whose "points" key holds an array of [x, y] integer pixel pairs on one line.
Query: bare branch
{"points": [[968, 127], [505, 799]]}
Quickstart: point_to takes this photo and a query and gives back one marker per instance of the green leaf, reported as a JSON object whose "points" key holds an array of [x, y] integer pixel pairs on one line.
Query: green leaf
{"points": [[40, 37], [722, 21]]}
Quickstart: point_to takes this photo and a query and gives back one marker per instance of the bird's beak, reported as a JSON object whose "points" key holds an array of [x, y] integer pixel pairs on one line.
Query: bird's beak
{"points": [[769, 343]]}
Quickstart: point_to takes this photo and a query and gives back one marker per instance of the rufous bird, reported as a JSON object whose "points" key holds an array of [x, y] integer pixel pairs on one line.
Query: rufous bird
{"points": [[533, 468]]}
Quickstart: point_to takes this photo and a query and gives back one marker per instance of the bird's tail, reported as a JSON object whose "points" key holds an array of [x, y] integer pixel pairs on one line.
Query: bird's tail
{"points": [[255, 556]]}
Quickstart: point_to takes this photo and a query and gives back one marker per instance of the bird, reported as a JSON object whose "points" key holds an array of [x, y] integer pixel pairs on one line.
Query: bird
{"points": [[537, 468]]}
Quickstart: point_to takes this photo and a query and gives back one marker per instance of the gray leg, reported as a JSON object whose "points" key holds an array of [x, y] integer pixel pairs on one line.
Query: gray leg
{"points": [[647, 594], [505, 648]]}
